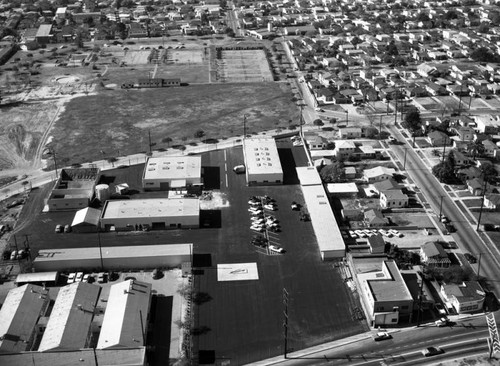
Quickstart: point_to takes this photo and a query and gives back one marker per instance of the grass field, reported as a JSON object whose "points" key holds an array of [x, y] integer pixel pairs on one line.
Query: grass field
{"points": [[118, 121]]}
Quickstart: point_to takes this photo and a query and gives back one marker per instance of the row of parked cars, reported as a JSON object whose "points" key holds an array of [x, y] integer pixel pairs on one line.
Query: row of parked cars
{"points": [[262, 222], [62, 229], [15, 254], [371, 232], [87, 277]]}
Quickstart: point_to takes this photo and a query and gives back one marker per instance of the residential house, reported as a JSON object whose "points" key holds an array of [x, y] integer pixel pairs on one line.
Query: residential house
{"points": [[475, 186], [385, 185], [350, 132], [344, 149], [377, 244], [438, 138], [375, 218], [378, 174], [465, 297], [490, 148], [469, 173], [394, 198], [464, 133], [460, 158], [352, 214], [432, 254], [324, 96], [492, 201], [314, 141], [350, 172], [486, 124]]}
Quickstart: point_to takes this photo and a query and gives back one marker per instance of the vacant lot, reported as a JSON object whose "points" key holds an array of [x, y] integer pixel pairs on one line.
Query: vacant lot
{"points": [[119, 121]]}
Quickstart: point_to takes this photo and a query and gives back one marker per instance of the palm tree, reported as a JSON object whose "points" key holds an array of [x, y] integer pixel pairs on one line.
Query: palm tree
{"points": [[475, 148]]}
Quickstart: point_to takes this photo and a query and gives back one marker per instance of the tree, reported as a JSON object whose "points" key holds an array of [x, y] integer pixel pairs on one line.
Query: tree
{"points": [[112, 161], [489, 173], [445, 170], [199, 134], [333, 173], [413, 120], [483, 54], [475, 148], [318, 122], [167, 140]]}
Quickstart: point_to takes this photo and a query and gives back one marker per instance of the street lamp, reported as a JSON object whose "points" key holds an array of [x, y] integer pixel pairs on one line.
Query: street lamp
{"points": [[404, 163], [441, 207]]}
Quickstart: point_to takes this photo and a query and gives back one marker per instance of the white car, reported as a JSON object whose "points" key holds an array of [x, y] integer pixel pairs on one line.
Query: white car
{"points": [[86, 277], [79, 277], [71, 277], [276, 249], [257, 228], [297, 143], [270, 207]]}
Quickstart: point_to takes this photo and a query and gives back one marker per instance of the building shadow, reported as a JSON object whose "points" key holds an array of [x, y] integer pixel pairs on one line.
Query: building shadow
{"points": [[159, 334], [211, 219], [211, 177]]}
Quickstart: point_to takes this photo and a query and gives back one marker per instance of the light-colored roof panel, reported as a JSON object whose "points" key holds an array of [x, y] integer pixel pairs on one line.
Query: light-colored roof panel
{"points": [[308, 175], [122, 325], [173, 167], [18, 316], [71, 316], [261, 156], [336, 188], [87, 215], [37, 277], [153, 207]]}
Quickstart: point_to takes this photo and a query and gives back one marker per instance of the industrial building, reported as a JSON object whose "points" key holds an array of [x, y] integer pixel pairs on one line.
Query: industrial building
{"points": [[18, 317], [68, 326], [113, 258], [170, 173], [154, 213], [74, 189], [86, 220], [262, 161], [126, 317], [325, 226]]}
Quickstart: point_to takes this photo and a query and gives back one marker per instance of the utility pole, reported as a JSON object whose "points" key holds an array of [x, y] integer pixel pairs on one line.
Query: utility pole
{"points": [[482, 203], [150, 144], [396, 107], [441, 207], [301, 122], [244, 126], [460, 100], [346, 118], [479, 264], [404, 163], [285, 322], [99, 243], [380, 128], [420, 297]]}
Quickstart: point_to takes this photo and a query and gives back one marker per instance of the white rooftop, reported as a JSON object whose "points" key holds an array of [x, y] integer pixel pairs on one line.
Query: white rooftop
{"points": [[69, 322], [337, 188], [18, 317], [173, 167], [378, 171], [87, 215], [308, 175], [37, 277], [261, 156], [152, 207], [323, 220], [126, 315]]}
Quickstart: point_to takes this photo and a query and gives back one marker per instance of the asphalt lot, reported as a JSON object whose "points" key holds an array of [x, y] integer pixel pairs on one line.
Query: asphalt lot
{"points": [[240, 320]]}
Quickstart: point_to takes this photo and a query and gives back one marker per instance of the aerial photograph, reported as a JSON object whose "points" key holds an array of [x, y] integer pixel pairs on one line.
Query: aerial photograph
{"points": [[216, 182]]}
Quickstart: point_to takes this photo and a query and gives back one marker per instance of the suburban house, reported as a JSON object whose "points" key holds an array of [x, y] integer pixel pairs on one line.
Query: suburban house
{"points": [[475, 186], [378, 174], [464, 133], [314, 141], [460, 158], [466, 297], [344, 149], [377, 244], [438, 138], [350, 132], [433, 255], [469, 173], [393, 198], [384, 293], [492, 201], [375, 218], [350, 172], [384, 185], [490, 148]]}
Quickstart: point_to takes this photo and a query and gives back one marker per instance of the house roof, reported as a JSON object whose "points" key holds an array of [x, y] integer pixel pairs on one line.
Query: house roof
{"points": [[437, 135], [385, 185], [377, 243], [475, 183], [86, 215], [494, 198], [395, 194], [465, 292], [432, 249], [378, 171], [373, 216]]}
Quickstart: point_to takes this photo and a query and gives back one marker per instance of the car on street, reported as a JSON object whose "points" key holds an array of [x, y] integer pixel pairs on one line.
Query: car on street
{"points": [[13, 255], [276, 249], [450, 227], [444, 219], [71, 277], [79, 277], [432, 351], [239, 169], [58, 229], [67, 228], [381, 336], [443, 322], [470, 258]]}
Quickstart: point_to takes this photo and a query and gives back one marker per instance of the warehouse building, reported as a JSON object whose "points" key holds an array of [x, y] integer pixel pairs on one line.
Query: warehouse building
{"points": [[262, 161], [74, 189], [18, 316], [113, 258], [126, 316], [68, 327], [325, 226], [154, 213], [170, 173], [86, 220]]}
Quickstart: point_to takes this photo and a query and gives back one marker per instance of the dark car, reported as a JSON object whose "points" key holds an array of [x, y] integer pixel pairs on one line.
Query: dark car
{"points": [[432, 351], [451, 228], [470, 258]]}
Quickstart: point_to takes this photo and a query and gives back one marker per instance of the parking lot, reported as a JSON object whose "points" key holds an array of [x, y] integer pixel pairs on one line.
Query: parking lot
{"points": [[242, 320]]}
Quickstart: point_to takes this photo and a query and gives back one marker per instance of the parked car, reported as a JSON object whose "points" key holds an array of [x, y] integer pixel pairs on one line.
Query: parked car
{"points": [[79, 277], [444, 219], [444, 322], [87, 277], [295, 206], [440, 309], [67, 228], [13, 255], [451, 228], [101, 277], [432, 351], [58, 229], [71, 277], [470, 258], [239, 169], [276, 249], [381, 336]]}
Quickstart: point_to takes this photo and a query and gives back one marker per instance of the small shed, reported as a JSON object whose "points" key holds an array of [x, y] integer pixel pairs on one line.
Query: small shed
{"points": [[86, 220]]}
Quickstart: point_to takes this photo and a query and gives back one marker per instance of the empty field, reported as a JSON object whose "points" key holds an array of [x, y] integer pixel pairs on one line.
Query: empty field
{"points": [[244, 66]]}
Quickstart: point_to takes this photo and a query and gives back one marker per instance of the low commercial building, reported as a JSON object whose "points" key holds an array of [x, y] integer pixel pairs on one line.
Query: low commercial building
{"points": [[174, 172], [466, 297], [330, 241], [68, 327], [384, 293], [37, 278], [394, 198], [263, 165], [126, 317], [113, 258], [19, 314], [342, 189], [74, 189], [154, 213], [86, 220]]}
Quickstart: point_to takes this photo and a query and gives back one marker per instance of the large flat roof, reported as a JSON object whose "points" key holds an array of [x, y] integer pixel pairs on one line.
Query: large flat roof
{"points": [[126, 315], [323, 220], [261, 156], [18, 316], [308, 175], [113, 252], [44, 30], [152, 207], [70, 319], [37, 277], [173, 167]]}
